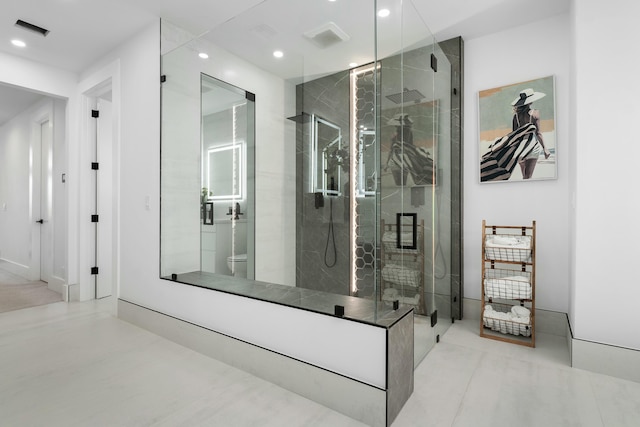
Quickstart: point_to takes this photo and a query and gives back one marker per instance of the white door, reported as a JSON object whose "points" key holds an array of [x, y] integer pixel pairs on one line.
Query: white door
{"points": [[41, 211], [104, 200], [46, 202]]}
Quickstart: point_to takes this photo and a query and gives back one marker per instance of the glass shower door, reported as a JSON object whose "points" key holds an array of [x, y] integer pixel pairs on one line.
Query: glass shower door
{"points": [[413, 125]]}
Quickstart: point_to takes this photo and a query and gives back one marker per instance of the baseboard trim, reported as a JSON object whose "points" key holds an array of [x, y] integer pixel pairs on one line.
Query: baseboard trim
{"points": [[619, 362], [57, 284], [15, 268]]}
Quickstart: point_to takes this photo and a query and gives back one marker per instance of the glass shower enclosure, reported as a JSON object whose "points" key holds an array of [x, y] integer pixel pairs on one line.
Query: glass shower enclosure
{"points": [[352, 130]]}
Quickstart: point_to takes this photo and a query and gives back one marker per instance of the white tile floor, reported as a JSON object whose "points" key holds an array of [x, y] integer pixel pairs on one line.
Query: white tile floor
{"points": [[77, 365]]}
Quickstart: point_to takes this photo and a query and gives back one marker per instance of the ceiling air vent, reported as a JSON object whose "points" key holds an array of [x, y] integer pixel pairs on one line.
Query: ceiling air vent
{"points": [[327, 35], [31, 27]]}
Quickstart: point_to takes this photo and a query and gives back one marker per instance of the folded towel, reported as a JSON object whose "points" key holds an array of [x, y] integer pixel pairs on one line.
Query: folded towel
{"points": [[390, 292], [508, 248], [509, 241], [504, 240], [513, 287], [415, 300], [391, 237]]}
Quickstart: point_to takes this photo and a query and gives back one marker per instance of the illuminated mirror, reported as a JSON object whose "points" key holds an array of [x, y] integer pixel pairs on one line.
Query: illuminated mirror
{"points": [[225, 172], [329, 157]]}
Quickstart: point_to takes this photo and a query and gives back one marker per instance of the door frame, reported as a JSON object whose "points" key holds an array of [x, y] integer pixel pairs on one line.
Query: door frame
{"points": [[41, 115], [104, 81]]}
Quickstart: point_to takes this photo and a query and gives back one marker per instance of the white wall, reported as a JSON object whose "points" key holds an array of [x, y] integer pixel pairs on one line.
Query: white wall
{"points": [[274, 164], [60, 195], [15, 198], [605, 286], [525, 53]]}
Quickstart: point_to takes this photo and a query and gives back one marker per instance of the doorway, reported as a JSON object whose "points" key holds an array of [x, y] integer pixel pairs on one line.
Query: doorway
{"points": [[33, 227]]}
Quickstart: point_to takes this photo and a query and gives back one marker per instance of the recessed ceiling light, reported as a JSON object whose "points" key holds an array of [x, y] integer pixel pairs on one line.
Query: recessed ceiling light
{"points": [[18, 43], [278, 53], [353, 64], [203, 55], [383, 13]]}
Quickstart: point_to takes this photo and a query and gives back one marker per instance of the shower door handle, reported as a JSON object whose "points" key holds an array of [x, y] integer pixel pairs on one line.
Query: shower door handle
{"points": [[40, 221], [400, 242]]}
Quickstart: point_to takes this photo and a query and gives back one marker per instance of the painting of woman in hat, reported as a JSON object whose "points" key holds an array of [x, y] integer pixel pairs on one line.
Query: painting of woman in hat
{"points": [[513, 133], [523, 114]]}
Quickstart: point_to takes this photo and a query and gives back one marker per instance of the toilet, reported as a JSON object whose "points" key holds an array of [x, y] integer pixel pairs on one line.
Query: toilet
{"points": [[238, 265]]}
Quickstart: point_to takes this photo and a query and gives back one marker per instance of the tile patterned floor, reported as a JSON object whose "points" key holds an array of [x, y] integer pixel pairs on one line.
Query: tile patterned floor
{"points": [[78, 365]]}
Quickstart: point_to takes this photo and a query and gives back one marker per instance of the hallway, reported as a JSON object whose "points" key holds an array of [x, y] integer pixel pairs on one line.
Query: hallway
{"points": [[17, 292]]}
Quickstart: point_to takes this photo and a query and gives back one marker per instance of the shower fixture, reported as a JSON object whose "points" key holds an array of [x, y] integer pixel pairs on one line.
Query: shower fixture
{"points": [[406, 96], [300, 118], [235, 212]]}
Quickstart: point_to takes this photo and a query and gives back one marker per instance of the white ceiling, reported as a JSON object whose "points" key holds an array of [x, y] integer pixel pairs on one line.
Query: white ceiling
{"points": [[82, 31]]}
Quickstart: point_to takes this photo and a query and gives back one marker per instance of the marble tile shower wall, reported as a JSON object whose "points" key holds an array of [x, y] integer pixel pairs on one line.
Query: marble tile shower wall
{"points": [[328, 98]]}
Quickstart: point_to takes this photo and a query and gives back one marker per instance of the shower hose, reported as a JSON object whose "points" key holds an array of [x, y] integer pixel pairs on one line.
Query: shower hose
{"points": [[330, 236]]}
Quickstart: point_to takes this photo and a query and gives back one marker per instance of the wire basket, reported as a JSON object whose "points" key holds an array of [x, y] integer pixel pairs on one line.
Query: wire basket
{"points": [[503, 247], [500, 318], [390, 242], [507, 284], [401, 275]]}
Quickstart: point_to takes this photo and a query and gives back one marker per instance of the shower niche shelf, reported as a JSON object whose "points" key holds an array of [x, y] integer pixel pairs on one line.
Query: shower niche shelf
{"points": [[402, 261], [508, 283]]}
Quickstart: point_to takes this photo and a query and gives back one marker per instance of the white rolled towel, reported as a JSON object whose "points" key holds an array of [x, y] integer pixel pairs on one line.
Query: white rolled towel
{"points": [[500, 321], [521, 326], [487, 319], [519, 311]]}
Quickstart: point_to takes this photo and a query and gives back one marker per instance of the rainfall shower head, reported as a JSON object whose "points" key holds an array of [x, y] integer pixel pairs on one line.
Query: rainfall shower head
{"points": [[406, 96], [300, 118]]}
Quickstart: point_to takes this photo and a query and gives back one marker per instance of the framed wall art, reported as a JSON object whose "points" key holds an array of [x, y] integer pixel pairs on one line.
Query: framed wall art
{"points": [[517, 132]]}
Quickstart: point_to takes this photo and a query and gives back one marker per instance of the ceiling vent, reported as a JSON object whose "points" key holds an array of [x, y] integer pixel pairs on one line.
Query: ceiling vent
{"points": [[327, 35], [264, 31], [31, 27]]}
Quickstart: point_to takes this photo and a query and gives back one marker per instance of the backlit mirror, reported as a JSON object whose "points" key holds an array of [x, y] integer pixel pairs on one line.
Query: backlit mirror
{"points": [[367, 157], [330, 155], [224, 172]]}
